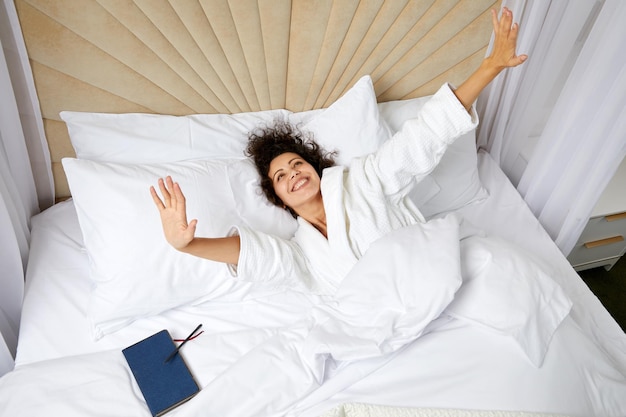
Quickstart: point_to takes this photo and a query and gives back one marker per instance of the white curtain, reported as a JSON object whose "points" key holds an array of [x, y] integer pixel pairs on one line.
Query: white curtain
{"points": [[25, 175], [557, 124]]}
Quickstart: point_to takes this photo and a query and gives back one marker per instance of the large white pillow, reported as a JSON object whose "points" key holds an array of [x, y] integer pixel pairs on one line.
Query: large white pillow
{"points": [[150, 138], [135, 272], [454, 183], [351, 126]]}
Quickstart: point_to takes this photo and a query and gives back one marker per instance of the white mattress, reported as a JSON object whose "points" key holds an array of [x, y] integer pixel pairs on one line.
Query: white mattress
{"points": [[454, 366]]}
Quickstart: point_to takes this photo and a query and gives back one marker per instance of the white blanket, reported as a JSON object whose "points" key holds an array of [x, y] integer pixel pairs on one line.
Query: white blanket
{"points": [[404, 282], [406, 286]]}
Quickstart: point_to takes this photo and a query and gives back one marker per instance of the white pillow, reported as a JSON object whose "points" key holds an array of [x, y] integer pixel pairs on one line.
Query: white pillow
{"points": [[351, 125], [150, 138], [136, 273], [454, 183]]}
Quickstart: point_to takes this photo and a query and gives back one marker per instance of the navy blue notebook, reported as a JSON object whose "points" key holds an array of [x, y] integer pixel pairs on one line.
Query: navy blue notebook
{"points": [[164, 385]]}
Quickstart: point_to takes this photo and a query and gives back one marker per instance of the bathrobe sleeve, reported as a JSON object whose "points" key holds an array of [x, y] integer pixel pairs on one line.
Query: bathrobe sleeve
{"points": [[415, 150], [273, 261]]}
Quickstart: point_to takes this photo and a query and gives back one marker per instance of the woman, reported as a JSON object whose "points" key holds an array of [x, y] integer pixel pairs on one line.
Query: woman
{"points": [[340, 212]]}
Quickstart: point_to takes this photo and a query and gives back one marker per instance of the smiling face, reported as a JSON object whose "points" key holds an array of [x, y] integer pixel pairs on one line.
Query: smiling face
{"points": [[295, 181]]}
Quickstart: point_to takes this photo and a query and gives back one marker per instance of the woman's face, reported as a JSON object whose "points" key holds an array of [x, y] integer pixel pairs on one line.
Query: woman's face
{"points": [[295, 181]]}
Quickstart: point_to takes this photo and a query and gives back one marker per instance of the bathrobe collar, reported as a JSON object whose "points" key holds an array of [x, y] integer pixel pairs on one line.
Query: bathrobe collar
{"points": [[332, 257]]}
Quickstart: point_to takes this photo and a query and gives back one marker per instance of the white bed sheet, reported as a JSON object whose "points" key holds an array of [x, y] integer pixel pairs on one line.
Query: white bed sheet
{"points": [[455, 366]]}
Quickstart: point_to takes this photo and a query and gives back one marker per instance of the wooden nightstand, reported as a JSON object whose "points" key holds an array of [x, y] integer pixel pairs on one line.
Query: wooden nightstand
{"points": [[603, 241]]}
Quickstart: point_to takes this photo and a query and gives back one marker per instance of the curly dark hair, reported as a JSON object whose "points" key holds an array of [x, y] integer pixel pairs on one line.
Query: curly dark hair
{"points": [[267, 142]]}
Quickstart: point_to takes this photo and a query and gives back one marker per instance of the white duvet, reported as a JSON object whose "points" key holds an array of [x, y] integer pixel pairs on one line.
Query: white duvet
{"points": [[481, 323]]}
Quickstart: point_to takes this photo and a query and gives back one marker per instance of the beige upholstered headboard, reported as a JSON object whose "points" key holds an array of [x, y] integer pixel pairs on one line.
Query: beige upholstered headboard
{"points": [[228, 56]]}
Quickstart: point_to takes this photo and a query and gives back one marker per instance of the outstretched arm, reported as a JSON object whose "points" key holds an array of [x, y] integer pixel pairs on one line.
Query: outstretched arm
{"points": [[502, 56], [181, 234]]}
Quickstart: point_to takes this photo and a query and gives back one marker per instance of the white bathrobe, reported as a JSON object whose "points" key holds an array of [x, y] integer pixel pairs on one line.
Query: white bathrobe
{"points": [[363, 203]]}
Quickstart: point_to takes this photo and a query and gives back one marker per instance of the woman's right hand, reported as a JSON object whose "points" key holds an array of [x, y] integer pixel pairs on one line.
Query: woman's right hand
{"points": [[172, 209]]}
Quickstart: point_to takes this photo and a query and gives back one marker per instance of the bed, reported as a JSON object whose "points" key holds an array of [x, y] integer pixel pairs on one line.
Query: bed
{"points": [[501, 325], [71, 338]]}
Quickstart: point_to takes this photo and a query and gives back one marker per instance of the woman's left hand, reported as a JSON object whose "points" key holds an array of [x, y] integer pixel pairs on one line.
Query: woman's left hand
{"points": [[503, 54]]}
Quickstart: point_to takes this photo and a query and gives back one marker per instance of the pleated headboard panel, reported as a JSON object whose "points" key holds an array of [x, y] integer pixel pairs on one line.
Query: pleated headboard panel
{"points": [[228, 56]]}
